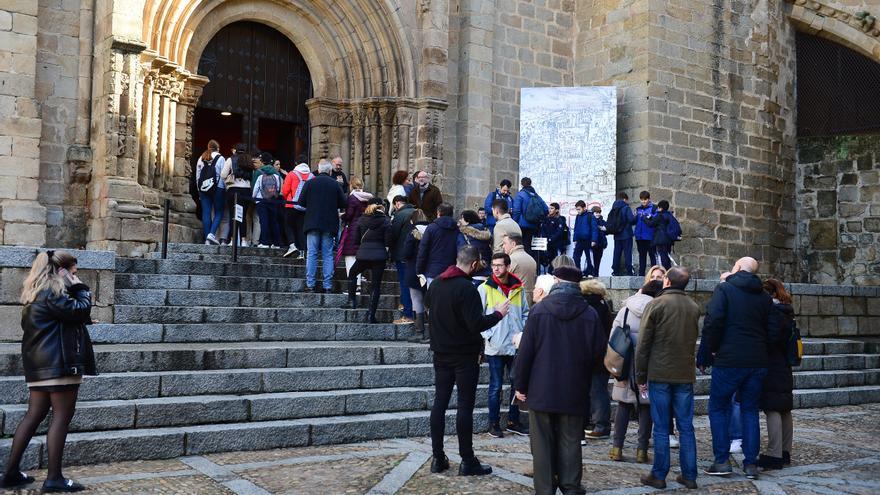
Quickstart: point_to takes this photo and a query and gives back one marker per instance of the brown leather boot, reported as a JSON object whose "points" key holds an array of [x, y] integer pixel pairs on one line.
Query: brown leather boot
{"points": [[642, 456], [616, 454]]}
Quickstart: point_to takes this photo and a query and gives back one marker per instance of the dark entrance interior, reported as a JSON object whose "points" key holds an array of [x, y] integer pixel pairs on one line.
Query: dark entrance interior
{"points": [[257, 93]]}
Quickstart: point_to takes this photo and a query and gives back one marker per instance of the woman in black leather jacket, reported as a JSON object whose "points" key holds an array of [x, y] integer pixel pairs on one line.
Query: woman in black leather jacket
{"points": [[56, 353], [373, 232]]}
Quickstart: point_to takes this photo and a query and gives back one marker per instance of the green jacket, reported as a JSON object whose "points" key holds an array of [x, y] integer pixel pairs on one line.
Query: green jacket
{"points": [[667, 339]]}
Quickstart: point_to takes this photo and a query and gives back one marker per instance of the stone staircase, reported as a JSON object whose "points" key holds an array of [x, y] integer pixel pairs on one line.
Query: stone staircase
{"points": [[206, 355]]}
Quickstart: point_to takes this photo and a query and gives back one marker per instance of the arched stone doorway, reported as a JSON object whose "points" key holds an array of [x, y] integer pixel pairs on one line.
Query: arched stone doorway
{"points": [[257, 91]]}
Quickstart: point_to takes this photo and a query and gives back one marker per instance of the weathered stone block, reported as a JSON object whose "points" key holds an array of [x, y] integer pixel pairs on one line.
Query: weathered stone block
{"points": [[158, 412], [830, 305], [342, 430], [115, 446], [822, 326], [210, 382], [305, 379], [296, 405], [24, 234]]}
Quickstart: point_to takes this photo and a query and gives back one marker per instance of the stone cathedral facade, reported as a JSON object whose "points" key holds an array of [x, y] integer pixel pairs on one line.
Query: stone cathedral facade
{"points": [[105, 103]]}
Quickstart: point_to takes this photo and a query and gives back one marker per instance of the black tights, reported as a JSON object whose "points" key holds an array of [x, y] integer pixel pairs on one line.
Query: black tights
{"points": [[376, 268], [63, 406]]}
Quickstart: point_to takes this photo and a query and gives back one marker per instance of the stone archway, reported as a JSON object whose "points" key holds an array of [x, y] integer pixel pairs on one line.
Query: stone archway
{"points": [[859, 31]]}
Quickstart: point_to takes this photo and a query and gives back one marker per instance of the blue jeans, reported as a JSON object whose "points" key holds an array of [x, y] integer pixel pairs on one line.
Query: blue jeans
{"points": [[736, 431], [323, 242], [583, 248], [270, 228], [497, 365], [668, 399], [212, 210], [725, 383], [405, 298], [622, 249], [600, 402]]}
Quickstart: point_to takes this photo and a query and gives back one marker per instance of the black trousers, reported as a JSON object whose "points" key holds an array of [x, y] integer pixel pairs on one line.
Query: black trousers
{"points": [[462, 370], [527, 236], [646, 249], [293, 227], [597, 259], [556, 452], [376, 268]]}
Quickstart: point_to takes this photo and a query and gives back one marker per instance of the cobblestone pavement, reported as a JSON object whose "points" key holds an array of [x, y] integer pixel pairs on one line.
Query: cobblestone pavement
{"points": [[837, 450]]}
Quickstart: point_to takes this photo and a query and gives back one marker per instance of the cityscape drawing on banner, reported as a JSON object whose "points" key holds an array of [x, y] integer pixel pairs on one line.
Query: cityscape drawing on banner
{"points": [[568, 147]]}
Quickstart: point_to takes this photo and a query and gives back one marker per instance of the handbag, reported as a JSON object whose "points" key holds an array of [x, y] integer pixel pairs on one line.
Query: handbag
{"points": [[619, 351]]}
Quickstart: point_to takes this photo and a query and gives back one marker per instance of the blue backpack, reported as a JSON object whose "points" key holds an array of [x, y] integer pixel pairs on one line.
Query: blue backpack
{"points": [[534, 213], [673, 228]]}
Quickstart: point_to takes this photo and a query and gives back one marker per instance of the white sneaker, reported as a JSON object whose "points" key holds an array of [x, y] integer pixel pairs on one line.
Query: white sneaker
{"points": [[244, 243], [673, 442], [292, 249], [736, 446], [211, 239], [301, 256], [262, 246], [207, 243], [273, 246]]}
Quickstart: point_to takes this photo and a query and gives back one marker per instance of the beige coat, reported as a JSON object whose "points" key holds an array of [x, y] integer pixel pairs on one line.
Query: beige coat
{"points": [[524, 267], [623, 389], [504, 226]]}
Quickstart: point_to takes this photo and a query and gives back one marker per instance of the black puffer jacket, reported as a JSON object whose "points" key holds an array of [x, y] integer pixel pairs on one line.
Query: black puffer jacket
{"points": [[55, 342], [374, 235], [778, 384], [410, 255]]}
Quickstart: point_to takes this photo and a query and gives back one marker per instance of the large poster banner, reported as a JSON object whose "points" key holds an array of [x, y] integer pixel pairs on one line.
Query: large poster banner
{"points": [[568, 147]]}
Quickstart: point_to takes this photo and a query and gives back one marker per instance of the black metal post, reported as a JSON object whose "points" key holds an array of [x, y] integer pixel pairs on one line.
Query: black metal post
{"points": [[165, 229], [235, 239]]}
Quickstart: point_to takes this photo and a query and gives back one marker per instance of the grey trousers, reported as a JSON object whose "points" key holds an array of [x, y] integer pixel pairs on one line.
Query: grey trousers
{"points": [[621, 420], [779, 432], [556, 452]]}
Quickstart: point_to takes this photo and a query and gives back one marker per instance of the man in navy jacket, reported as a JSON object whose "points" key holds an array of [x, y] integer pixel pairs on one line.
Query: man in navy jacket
{"points": [[439, 244], [521, 203], [623, 240], [322, 198], [502, 192]]}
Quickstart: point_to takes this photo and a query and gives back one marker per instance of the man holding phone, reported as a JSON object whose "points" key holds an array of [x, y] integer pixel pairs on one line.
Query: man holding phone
{"points": [[500, 287], [457, 318]]}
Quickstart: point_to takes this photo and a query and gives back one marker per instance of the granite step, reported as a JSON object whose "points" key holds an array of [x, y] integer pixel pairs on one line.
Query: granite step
{"points": [[146, 385], [127, 313], [236, 355], [189, 267], [251, 299], [230, 283]]}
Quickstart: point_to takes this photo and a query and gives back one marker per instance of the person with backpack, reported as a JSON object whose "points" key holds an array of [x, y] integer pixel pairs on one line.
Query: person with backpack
{"points": [[211, 190], [472, 232], [267, 190], [664, 226], [626, 390], [777, 399], [374, 232], [555, 230], [295, 214], [586, 236], [619, 224], [602, 236], [502, 192], [529, 211], [644, 231], [237, 174]]}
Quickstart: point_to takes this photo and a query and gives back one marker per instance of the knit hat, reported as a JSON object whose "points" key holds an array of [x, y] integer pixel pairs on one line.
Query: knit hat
{"points": [[567, 274]]}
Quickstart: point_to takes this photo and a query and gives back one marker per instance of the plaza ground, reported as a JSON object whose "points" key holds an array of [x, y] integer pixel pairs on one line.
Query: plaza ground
{"points": [[836, 451]]}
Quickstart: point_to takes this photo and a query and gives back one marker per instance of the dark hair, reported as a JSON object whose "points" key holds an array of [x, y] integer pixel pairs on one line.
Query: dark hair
{"points": [[506, 182], [501, 205], [644, 195], [470, 216], [502, 256], [596, 209], [622, 195], [678, 277], [240, 148], [652, 288], [777, 289], [663, 205], [580, 203], [515, 238], [399, 177], [525, 182], [467, 254], [266, 158], [555, 205], [481, 209], [398, 198], [418, 216], [302, 158], [444, 210]]}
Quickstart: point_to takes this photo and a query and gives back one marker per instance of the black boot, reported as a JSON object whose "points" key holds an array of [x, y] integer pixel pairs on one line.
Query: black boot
{"points": [[439, 464], [769, 463], [351, 303], [374, 305], [473, 467]]}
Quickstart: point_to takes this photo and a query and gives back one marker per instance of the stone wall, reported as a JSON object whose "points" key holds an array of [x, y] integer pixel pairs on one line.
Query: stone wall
{"points": [[821, 310], [97, 269], [838, 208], [22, 219]]}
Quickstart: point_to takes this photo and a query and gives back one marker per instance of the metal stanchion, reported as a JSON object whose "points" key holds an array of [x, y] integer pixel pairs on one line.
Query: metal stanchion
{"points": [[165, 229], [235, 239]]}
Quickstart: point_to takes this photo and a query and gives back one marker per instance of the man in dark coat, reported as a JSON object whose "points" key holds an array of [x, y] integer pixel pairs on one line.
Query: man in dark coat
{"points": [[457, 320], [438, 246], [338, 175], [737, 328], [521, 203], [622, 262], [400, 229], [424, 195], [562, 344], [322, 197]]}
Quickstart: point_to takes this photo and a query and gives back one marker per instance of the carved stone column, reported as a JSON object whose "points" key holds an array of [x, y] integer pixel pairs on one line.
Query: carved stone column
{"points": [[186, 105], [386, 120]]}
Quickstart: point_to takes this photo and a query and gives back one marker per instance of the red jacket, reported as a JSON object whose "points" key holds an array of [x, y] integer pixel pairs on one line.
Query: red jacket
{"points": [[291, 183]]}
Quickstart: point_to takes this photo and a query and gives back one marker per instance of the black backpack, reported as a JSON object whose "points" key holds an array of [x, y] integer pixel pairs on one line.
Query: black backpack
{"points": [[615, 222], [240, 173], [207, 180], [534, 213]]}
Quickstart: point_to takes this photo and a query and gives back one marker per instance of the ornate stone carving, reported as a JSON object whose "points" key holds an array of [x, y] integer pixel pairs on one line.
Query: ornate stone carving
{"points": [[862, 20]]}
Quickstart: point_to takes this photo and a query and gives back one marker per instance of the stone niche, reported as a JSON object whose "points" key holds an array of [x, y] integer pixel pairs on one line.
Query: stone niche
{"points": [[838, 210], [97, 269]]}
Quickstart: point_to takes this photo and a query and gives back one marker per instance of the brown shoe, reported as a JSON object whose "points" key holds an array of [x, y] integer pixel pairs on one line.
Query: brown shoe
{"points": [[616, 454], [642, 456], [689, 484], [650, 480], [597, 435]]}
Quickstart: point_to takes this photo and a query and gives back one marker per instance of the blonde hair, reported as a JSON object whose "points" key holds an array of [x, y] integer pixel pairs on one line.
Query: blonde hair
{"points": [[212, 147], [651, 271], [355, 183], [373, 208], [44, 274]]}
